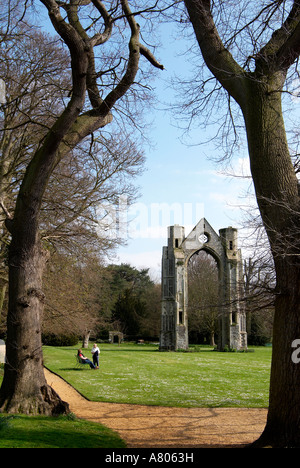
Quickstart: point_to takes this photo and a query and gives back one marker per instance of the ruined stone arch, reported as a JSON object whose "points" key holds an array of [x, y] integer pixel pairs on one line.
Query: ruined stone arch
{"points": [[224, 249], [209, 251]]}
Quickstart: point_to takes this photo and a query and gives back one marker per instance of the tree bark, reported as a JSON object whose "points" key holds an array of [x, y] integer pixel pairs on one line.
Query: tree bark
{"points": [[283, 423], [24, 387], [277, 196], [259, 97], [85, 339]]}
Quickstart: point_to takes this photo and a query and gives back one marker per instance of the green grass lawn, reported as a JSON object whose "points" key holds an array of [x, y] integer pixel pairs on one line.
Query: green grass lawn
{"points": [[20, 431], [140, 374]]}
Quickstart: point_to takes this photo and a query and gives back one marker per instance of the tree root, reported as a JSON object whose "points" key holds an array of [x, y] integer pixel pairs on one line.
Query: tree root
{"points": [[47, 402]]}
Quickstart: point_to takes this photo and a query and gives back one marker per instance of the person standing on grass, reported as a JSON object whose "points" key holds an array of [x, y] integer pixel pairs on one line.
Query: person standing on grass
{"points": [[95, 352]]}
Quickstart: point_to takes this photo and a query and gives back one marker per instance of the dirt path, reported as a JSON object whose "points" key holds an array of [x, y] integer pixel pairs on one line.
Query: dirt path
{"points": [[161, 427]]}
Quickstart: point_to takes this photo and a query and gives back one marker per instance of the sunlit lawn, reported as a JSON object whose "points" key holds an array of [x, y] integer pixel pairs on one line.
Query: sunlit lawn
{"points": [[140, 374]]}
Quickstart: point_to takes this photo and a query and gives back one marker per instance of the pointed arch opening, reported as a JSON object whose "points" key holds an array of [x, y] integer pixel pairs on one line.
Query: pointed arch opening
{"points": [[175, 295], [203, 298]]}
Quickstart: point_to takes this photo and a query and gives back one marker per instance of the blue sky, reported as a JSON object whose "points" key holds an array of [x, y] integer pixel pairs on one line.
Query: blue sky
{"points": [[180, 181], [181, 186]]}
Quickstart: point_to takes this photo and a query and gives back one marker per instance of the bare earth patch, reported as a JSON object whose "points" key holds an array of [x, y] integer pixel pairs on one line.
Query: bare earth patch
{"points": [[162, 427]]}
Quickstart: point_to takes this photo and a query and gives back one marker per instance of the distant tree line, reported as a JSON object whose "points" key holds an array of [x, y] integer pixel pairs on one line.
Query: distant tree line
{"points": [[85, 298]]}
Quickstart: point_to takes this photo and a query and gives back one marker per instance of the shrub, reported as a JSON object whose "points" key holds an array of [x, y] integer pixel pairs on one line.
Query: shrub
{"points": [[51, 339]]}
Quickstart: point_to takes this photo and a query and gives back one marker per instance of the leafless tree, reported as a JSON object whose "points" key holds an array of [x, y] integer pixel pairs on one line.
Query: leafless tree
{"points": [[85, 27], [73, 287], [36, 70], [251, 50]]}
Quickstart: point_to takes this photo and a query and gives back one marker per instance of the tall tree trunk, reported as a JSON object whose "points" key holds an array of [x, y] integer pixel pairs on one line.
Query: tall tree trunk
{"points": [[24, 387], [85, 339], [276, 188], [283, 422], [259, 95]]}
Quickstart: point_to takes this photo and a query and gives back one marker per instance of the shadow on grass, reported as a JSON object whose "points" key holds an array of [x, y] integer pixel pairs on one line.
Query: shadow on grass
{"points": [[38, 432], [138, 350], [75, 369]]}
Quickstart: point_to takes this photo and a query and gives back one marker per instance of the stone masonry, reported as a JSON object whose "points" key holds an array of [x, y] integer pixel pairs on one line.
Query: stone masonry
{"points": [[176, 255]]}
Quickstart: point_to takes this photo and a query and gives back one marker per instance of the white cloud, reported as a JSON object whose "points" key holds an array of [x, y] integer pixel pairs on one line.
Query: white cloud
{"points": [[147, 259], [242, 168], [239, 168]]}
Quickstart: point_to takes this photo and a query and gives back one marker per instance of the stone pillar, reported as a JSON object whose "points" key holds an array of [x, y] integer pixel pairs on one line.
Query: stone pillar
{"points": [[231, 292], [174, 326]]}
